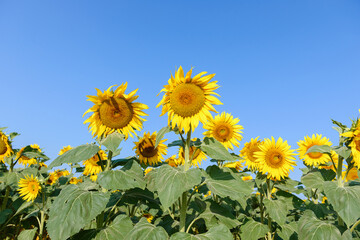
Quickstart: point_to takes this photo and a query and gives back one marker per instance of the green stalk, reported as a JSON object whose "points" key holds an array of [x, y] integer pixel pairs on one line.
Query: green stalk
{"points": [[339, 178], [108, 163], [354, 226], [261, 208], [42, 216], [269, 235], [7, 193]]}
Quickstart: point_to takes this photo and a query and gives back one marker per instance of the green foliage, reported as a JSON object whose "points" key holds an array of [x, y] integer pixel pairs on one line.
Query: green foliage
{"points": [[112, 141], [219, 232], [215, 149], [117, 230], [27, 234], [253, 230], [145, 230], [160, 135], [277, 210]]}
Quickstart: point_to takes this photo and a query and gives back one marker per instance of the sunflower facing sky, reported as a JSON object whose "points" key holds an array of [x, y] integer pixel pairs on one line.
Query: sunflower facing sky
{"points": [[5, 147], [92, 165], [29, 188], [146, 151], [275, 158], [248, 153], [314, 158], [189, 100], [115, 111], [225, 129], [195, 154]]}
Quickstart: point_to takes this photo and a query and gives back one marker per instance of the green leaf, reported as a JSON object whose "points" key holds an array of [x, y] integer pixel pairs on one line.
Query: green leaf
{"points": [[215, 149], [75, 155], [117, 230], [311, 228], [221, 213], [345, 201], [343, 151], [112, 141], [316, 178], [219, 232], [160, 135], [12, 178], [176, 143], [288, 231], [226, 184], [253, 230], [277, 210], [144, 230], [130, 176], [121, 162], [4, 215], [172, 182], [319, 148], [73, 209], [27, 234]]}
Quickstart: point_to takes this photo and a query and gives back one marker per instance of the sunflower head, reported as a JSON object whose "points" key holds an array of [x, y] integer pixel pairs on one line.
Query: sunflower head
{"points": [[115, 111], [173, 161], [29, 188], [248, 153], [352, 174], [188, 100], [75, 180], [92, 165], [275, 158], [247, 178], [225, 129], [147, 152], [237, 165], [65, 149], [195, 154], [5, 147], [24, 160], [147, 170], [148, 217], [313, 158]]}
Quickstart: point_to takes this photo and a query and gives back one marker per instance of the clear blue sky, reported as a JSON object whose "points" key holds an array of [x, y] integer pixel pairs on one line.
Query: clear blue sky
{"points": [[285, 67]]}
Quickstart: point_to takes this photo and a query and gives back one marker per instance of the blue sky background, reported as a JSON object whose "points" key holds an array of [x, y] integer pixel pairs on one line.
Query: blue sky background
{"points": [[285, 67]]}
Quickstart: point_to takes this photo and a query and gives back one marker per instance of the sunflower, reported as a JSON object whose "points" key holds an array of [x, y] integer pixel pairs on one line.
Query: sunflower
{"points": [[145, 149], [24, 160], [173, 161], [196, 155], [147, 170], [225, 129], [237, 165], [207, 194], [65, 149], [54, 176], [5, 147], [313, 158], [92, 165], [275, 158], [93, 177], [29, 188], [352, 174], [75, 180], [248, 153], [148, 217], [189, 100], [115, 111], [246, 178], [355, 150]]}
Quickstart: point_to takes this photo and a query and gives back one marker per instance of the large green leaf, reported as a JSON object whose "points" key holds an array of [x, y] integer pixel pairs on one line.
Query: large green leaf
{"points": [[311, 228], [75, 155], [112, 141], [172, 182], [343, 151], [226, 184], [117, 230], [144, 230], [216, 213], [277, 210], [27, 234], [160, 135], [219, 232], [345, 201], [129, 176], [319, 148], [4, 215], [288, 231], [215, 149], [316, 178], [73, 209], [253, 230]]}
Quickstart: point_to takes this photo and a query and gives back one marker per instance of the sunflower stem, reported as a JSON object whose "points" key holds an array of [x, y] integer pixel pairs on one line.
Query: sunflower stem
{"points": [[108, 163], [268, 182], [261, 208], [100, 161], [42, 216]]}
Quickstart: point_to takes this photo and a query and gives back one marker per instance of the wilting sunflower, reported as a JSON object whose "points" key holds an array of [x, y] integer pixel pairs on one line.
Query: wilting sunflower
{"points": [[195, 154], [29, 188], [248, 153], [313, 158], [189, 100], [92, 165], [115, 111], [65, 149], [237, 165], [275, 158], [225, 129], [173, 161], [145, 149], [5, 147], [24, 160]]}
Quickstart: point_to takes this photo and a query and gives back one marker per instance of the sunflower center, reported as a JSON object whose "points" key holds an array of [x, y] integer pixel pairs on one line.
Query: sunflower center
{"points": [[3, 147], [357, 142], [275, 159], [116, 113], [33, 187], [187, 99], [223, 132], [148, 151]]}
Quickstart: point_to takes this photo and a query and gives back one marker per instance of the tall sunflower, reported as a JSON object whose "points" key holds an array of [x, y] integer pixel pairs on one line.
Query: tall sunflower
{"points": [[225, 129], [275, 158], [248, 153], [92, 165], [24, 160], [146, 151], [195, 154], [189, 100], [5, 147], [29, 188], [313, 158], [115, 111]]}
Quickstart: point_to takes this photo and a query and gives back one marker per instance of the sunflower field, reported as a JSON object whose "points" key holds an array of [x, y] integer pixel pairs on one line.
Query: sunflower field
{"points": [[92, 191]]}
